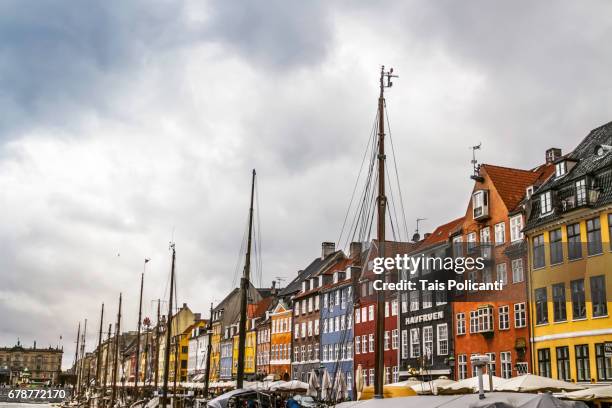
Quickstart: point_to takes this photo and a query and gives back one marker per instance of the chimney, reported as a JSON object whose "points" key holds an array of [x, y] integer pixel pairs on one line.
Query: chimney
{"points": [[34, 344], [355, 250], [184, 305], [327, 248], [552, 154], [273, 291], [416, 237]]}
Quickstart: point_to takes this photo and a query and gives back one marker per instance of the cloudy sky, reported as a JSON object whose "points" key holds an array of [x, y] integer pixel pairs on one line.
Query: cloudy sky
{"points": [[126, 124]]}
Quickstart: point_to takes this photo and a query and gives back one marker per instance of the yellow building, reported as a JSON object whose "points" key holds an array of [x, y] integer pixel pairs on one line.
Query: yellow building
{"points": [[249, 353], [215, 354], [568, 230], [183, 351], [182, 322]]}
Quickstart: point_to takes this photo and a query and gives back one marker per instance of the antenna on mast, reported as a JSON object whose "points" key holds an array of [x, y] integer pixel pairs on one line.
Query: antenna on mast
{"points": [[476, 175]]}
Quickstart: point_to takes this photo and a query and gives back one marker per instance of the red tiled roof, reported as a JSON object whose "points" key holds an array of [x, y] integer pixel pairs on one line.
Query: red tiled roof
{"points": [[260, 308], [511, 183], [441, 233]]}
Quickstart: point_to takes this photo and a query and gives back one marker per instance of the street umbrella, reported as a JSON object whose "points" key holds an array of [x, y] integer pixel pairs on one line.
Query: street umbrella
{"points": [[359, 379], [431, 387], [536, 383], [326, 386], [340, 387], [469, 385], [313, 384], [591, 394]]}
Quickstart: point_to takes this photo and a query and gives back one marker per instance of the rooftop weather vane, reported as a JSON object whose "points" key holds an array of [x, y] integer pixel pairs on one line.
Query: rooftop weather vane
{"points": [[476, 176]]}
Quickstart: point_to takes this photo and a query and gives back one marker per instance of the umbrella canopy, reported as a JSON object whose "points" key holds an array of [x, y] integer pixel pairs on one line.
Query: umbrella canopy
{"points": [[340, 387], [535, 383], [326, 386], [406, 383], [469, 385], [293, 385], [430, 387], [590, 394], [222, 400], [546, 400], [359, 378], [313, 384]]}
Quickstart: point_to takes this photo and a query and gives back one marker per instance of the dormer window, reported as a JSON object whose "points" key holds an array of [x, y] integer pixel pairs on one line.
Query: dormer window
{"points": [[529, 192], [336, 277], [560, 169], [480, 204], [546, 203], [304, 286]]}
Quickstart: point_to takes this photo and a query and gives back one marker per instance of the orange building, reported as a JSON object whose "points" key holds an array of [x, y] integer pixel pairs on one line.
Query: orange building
{"points": [[280, 341], [495, 323]]}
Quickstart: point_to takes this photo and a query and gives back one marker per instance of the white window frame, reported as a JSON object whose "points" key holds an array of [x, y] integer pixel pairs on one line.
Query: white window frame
{"points": [[500, 233], [504, 317], [516, 228], [442, 339]]}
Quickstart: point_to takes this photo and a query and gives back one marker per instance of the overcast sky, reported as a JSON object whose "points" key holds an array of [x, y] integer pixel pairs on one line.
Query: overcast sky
{"points": [[129, 123]]}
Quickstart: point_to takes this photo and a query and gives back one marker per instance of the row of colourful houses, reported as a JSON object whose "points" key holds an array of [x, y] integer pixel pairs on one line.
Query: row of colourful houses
{"points": [[543, 233]]}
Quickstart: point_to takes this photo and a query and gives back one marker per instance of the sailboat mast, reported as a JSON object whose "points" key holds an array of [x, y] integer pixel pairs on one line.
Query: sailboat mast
{"points": [[381, 202], [208, 351], [116, 355], [137, 371], [244, 287], [168, 330], [108, 344], [82, 360], [76, 356], [99, 354], [157, 336]]}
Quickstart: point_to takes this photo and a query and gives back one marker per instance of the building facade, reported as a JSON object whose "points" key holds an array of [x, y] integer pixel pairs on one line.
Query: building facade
{"points": [[280, 341], [569, 229], [494, 323], [426, 322], [38, 365]]}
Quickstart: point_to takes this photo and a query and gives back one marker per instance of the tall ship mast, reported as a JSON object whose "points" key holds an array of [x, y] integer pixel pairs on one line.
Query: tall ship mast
{"points": [[244, 288], [381, 203]]}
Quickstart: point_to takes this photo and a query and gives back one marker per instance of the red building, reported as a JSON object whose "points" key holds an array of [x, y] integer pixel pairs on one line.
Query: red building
{"points": [[365, 316], [495, 323]]}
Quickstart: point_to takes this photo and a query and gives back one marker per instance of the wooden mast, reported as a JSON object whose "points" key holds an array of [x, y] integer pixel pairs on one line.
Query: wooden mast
{"points": [[76, 357], [137, 371], [157, 335], [208, 351], [108, 337], [244, 288], [99, 353], [82, 361], [381, 202], [116, 355], [168, 330]]}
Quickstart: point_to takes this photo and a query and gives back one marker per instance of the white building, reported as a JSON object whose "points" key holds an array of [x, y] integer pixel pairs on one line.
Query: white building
{"points": [[198, 344]]}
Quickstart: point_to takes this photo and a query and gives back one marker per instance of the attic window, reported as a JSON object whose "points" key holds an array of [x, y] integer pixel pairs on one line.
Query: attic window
{"points": [[601, 150], [560, 169], [546, 203], [529, 192]]}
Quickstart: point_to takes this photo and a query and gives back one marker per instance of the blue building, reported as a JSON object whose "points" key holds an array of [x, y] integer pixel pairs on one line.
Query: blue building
{"points": [[337, 325], [227, 353]]}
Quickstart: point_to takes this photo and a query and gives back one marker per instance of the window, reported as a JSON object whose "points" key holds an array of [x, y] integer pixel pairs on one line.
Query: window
{"points": [[304, 306], [310, 305], [331, 325], [578, 299], [364, 344], [441, 298], [386, 309], [316, 327], [574, 246], [487, 276], [471, 241], [457, 246], [387, 375], [598, 296], [427, 299], [485, 319], [556, 246], [428, 341], [491, 366], [357, 316], [303, 329], [516, 228], [371, 376], [462, 364], [560, 169], [317, 302], [442, 336], [371, 312], [296, 331], [394, 308], [538, 251], [310, 328], [506, 364], [297, 309], [546, 203], [404, 344], [544, 363], [386, 344], [415, 343], [559, 311], [357, 344], [395, 374], [500, 233], [324, 355], [349, 380], [520, 315], [414, 300], [517, 270], [474, 367], [371, 341], [563, 364], [485, 242], [325, 300], [604, 364], [582, 362], [502, 273], [473, 321], [460, 323], [364, 314], [581, 192], [394, 339], [541, 306], [593, 236], [504, 317]]}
